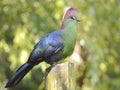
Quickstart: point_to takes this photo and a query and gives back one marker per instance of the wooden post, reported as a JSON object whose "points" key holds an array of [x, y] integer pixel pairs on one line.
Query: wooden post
{"points": [[61, 77]]}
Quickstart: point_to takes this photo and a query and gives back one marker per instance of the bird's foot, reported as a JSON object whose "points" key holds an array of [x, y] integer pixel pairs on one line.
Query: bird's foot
{"points": [[49, 69]]}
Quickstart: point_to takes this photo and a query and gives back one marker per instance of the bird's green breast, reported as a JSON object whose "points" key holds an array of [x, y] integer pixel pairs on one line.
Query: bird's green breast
{"points": [[69, 35]]}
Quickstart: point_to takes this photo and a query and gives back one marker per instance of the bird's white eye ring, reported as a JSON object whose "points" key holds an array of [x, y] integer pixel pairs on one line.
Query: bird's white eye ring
{"points": [[73, 17]]}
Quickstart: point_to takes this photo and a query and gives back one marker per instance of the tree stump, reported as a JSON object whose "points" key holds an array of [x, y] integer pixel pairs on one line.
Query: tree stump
{"points": [[61, 77]]}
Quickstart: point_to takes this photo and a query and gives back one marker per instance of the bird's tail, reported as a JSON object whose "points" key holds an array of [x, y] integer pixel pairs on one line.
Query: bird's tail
{"points": [[19, 75]]}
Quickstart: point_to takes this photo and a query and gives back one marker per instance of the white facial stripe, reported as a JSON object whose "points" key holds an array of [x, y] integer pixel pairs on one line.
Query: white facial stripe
{"points": [[74, 18]]}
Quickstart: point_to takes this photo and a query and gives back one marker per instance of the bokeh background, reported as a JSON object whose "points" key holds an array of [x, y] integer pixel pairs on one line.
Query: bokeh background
{"points": [[97, 52]]}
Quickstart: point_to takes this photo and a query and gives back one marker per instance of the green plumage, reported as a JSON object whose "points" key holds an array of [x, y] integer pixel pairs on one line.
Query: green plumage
{"points": [[69, 35]]}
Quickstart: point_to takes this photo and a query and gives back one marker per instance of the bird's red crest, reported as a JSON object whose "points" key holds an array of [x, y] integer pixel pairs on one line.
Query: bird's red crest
{"points": [[68, 11]]}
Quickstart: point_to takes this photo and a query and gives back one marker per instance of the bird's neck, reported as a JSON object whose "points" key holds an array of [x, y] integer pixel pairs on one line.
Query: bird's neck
{"points": [[69, 28], [69, 32]]}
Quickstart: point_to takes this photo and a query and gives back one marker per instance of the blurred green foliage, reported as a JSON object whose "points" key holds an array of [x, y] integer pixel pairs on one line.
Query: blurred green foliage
{"points": [[24, 22]]}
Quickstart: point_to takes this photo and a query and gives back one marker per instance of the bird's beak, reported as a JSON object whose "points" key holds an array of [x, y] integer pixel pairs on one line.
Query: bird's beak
{"points": [[78, 20]]}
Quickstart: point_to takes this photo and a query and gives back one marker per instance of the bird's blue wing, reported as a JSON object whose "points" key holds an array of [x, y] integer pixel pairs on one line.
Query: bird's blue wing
{"points": [[47, 46]]}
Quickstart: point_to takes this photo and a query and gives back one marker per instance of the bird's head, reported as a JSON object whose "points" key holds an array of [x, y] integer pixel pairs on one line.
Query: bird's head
{"points": [[70, 16]]}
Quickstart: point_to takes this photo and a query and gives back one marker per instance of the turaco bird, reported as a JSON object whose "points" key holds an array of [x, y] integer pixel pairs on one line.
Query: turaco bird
{"points": [[52, 47]]}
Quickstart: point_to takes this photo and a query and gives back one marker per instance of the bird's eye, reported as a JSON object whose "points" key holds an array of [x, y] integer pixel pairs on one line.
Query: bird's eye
{"points": [[73, 17]]}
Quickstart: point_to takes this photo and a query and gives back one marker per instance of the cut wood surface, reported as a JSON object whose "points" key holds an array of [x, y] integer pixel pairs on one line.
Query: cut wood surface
{"points": [[61, 77]]}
